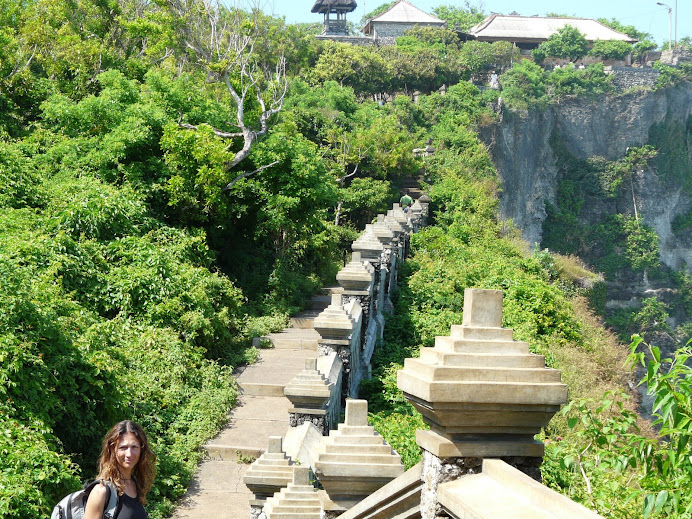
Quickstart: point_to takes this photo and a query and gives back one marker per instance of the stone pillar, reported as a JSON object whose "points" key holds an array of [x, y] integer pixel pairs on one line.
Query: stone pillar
{"points": [[357, 282], [335, 326], [424, 200], [267, 475], [416, 216], [309, 392], [354, 461], [397, 250], [298, 499], [483, 394]]}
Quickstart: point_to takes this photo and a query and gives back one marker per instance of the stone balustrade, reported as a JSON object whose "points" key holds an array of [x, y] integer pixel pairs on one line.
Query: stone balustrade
{"points": [[483, 394]]}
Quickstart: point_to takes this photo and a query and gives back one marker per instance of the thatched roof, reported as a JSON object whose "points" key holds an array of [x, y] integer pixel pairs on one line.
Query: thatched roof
{"points": [[331, 6], [534, 29]]}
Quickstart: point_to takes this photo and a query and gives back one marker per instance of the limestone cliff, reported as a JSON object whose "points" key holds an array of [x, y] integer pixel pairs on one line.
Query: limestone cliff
{"points": [[607, 127]]}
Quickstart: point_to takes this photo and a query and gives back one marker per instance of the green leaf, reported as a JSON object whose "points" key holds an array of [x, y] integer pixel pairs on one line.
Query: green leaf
{"points": [[648, 505], [661, 500], [656, 352]]}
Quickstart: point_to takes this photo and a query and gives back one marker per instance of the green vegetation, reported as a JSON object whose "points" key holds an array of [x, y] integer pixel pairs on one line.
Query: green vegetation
{"points": [[618, 453], [567, 43], [610, 49], [145, 240], [461, 19]]}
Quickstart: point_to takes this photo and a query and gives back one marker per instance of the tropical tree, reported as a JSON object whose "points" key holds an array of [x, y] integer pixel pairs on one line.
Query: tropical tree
{"points": [[224, 41], [460, 18], [566, 43], [610, 49]]}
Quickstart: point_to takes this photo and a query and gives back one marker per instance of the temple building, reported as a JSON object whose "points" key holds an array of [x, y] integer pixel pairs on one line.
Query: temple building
{"points": [[528, 32], [389, 25]]}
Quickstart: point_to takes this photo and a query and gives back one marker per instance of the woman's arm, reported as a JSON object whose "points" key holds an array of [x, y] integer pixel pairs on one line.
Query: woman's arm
{"points": [[96, 503]]}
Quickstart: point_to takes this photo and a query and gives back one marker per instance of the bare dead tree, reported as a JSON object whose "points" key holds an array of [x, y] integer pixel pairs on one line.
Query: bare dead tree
{"points": [[222, 40]]}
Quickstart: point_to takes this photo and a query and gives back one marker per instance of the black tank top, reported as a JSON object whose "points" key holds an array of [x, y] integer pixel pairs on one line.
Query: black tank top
{"points": [[131, 508]]}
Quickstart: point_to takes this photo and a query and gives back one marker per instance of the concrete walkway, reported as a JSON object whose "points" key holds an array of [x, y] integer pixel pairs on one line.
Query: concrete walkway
{"points": [[218, 492]]}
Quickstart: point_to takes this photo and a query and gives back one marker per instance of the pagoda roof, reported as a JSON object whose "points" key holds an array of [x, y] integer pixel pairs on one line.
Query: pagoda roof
{"points": [[324, 6], [499, 27]]}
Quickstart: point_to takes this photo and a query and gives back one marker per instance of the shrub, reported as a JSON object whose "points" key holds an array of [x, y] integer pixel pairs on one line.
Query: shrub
{"points": [[524, 85], [611, 49], [570, 81], [566, 43]]}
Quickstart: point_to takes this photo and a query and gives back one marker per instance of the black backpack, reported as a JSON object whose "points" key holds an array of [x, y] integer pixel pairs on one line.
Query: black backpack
{"points": [[72, 505]]}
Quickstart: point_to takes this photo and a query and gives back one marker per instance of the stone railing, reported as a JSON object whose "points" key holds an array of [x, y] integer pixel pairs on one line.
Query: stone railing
{"points": [[484, 397], [349, 328]]}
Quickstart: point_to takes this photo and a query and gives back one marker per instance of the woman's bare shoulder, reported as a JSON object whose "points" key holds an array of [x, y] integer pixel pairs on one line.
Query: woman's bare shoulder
{"points": [[96, 502]]}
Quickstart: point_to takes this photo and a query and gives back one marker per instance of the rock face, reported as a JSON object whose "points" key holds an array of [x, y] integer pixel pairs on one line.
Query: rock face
{"points": [[606, 127]]}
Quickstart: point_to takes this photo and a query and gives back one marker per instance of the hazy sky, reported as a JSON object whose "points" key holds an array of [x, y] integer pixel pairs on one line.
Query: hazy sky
{"points": [[645, 15]]}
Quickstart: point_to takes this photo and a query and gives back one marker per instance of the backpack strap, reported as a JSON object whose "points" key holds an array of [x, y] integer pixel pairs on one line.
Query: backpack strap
{"points": [[112, 507]]}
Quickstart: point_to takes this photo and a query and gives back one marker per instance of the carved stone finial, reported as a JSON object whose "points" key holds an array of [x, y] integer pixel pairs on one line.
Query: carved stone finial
{"points": [[354, 276], [482, 393], [354, 461], [269, 473], [298, 499], [334, 322], [368, 246]]}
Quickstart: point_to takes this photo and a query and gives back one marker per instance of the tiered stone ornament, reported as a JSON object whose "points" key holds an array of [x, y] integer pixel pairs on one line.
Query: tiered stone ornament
{"points": [[354, 461], [401, 217], [482, 393], [355, 276], [383, 232], [416, 215], [309, 392], [368, 246], [357, 280], [268, 474], [299, 499], [334, 323], [393, 224]]}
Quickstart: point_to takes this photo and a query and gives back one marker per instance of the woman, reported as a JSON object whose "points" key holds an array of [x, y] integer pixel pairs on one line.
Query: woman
{"points": [[128, 462]]}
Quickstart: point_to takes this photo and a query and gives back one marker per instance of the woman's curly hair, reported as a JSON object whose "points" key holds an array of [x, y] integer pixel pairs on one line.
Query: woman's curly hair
{"points": [[144, 471]]}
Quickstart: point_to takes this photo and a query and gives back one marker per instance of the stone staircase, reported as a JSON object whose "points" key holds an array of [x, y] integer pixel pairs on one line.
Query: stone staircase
{"points": [[217, 491], [411, 186]]}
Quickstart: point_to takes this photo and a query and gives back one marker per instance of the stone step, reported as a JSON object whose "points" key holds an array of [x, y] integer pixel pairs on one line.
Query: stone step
{"points": [[293, 515], [251, 423], [305, 320], [217, 486], [257, 389], [276, 367], [295, 339]]}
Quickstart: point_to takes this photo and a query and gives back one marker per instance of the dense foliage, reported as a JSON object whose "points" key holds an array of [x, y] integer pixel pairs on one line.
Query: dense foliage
{"points": [[138, 259], [567, 43]]}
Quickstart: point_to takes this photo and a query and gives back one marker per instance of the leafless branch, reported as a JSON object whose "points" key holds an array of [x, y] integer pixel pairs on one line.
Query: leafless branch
{"points": [[219, 39], [246, 174], [218, 133], [18, 68]]}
